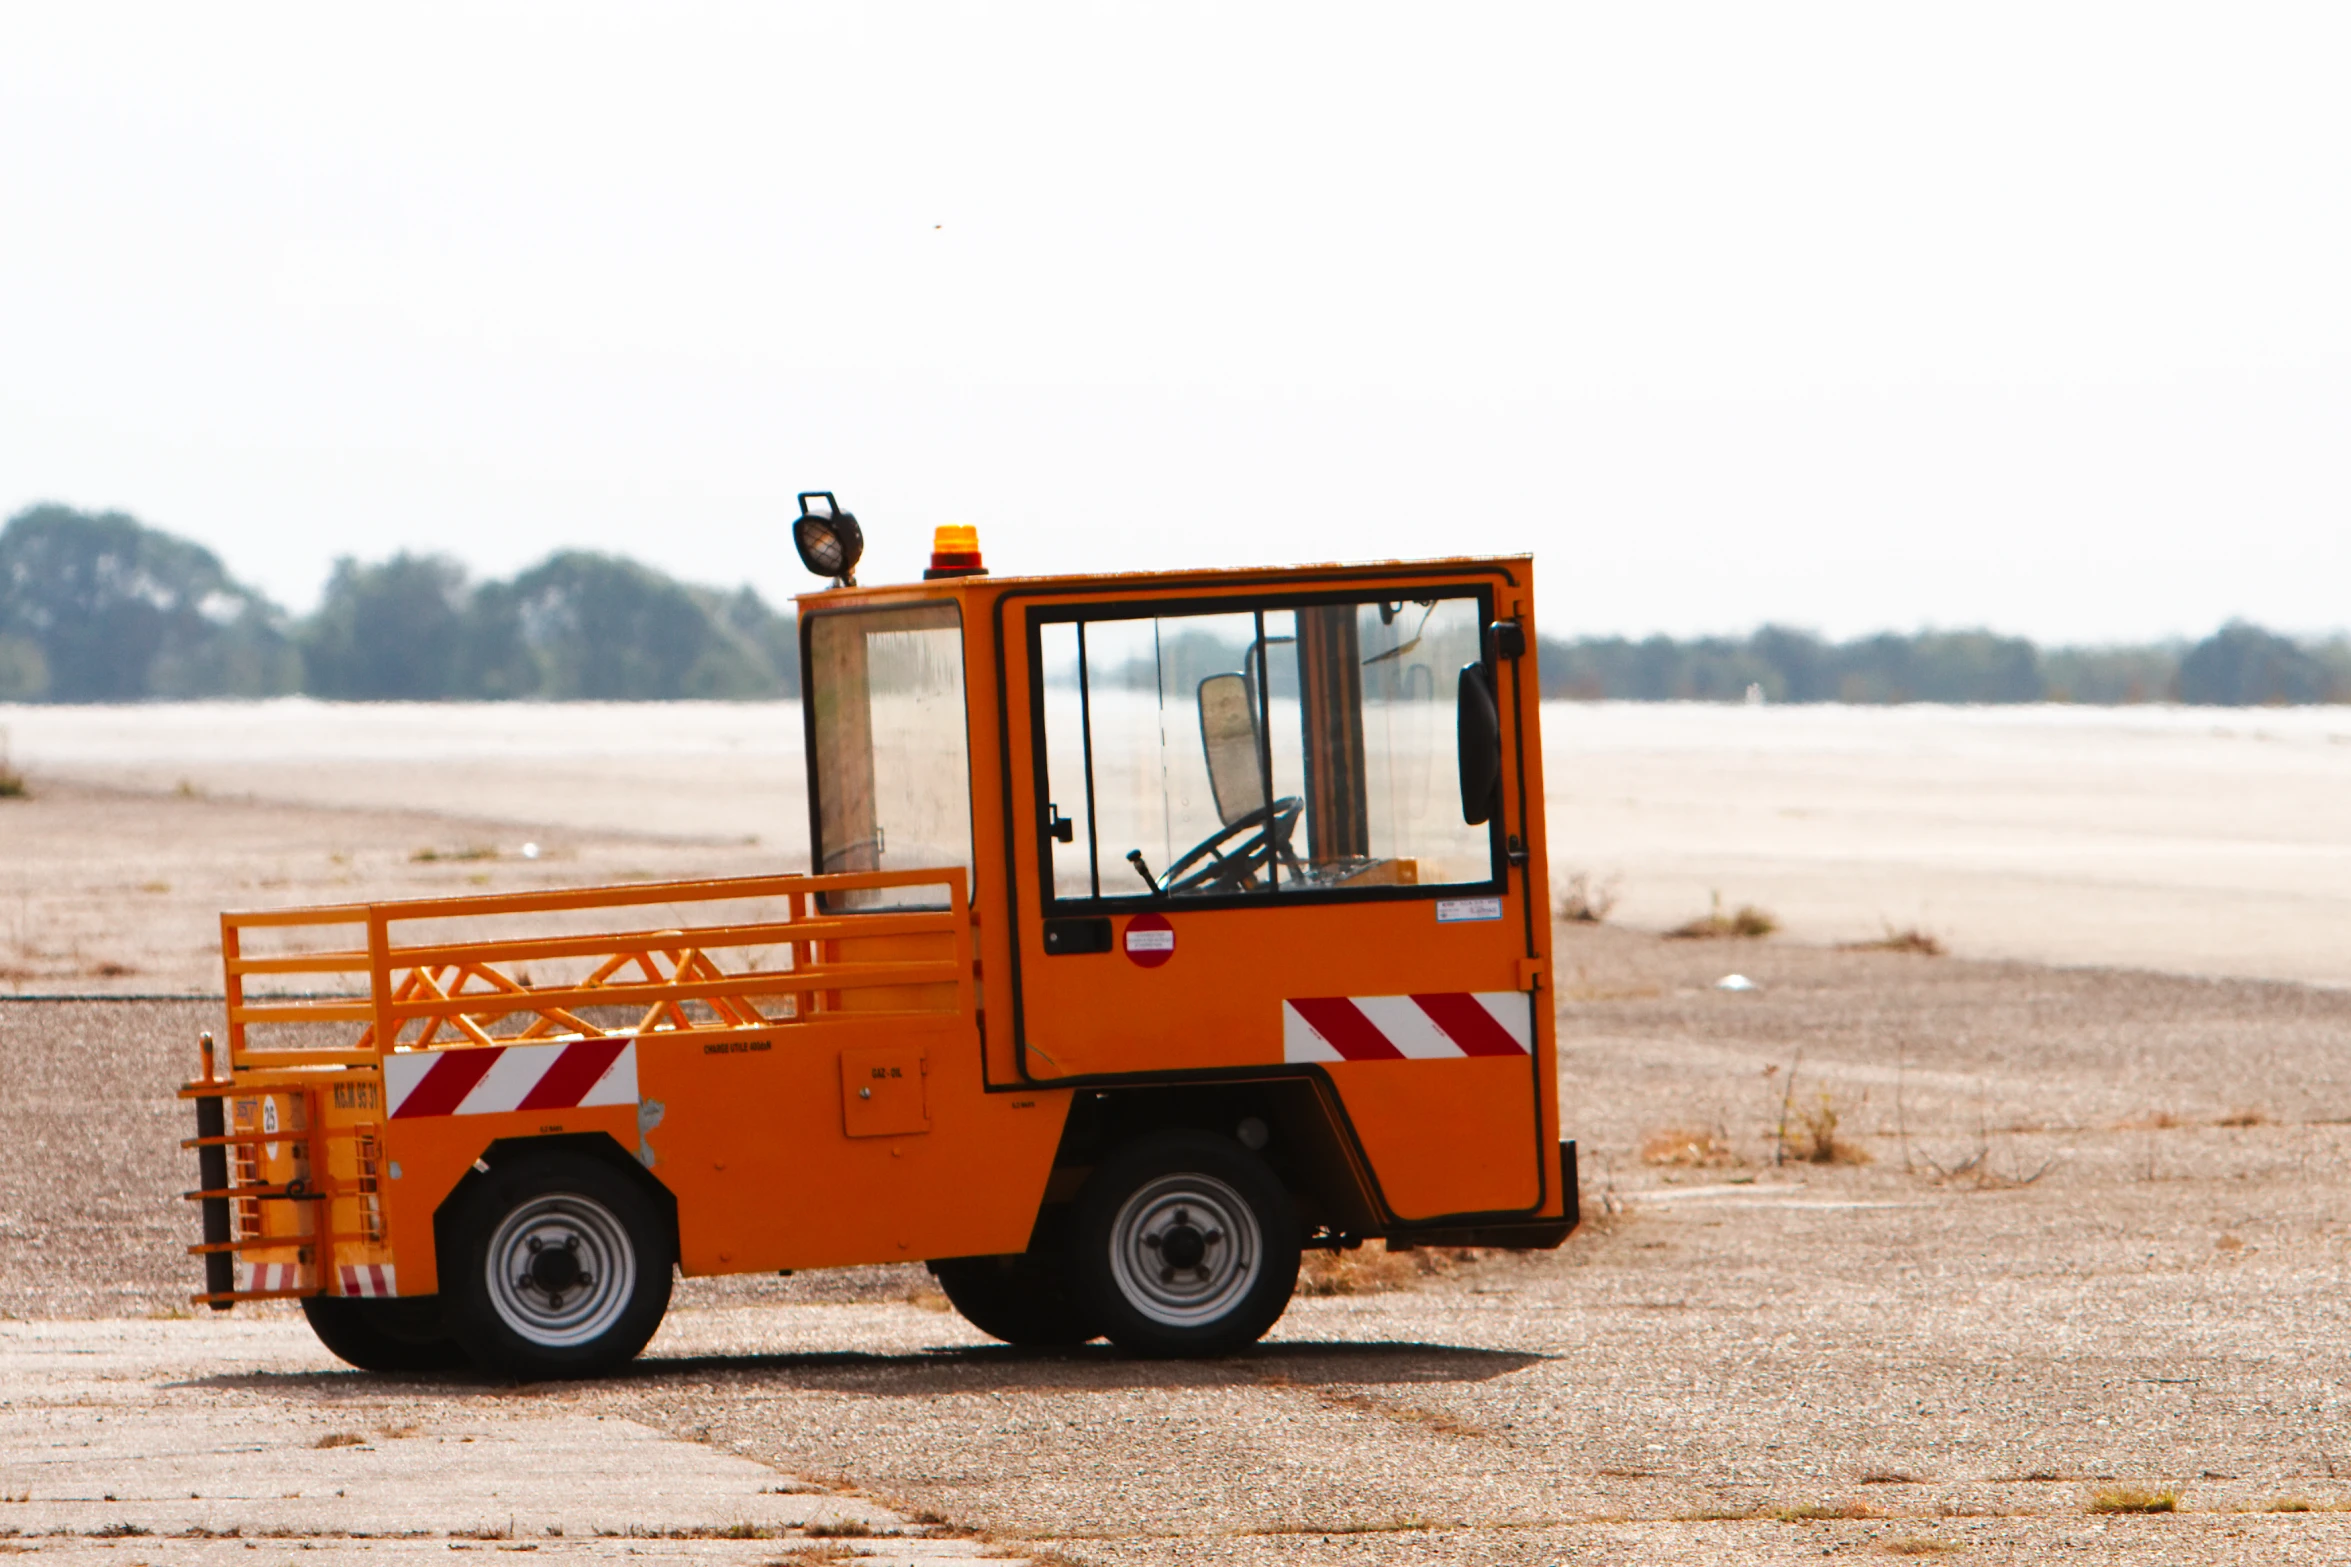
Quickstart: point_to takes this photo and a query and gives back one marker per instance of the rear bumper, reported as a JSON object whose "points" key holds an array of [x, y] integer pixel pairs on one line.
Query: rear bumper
{"points": [[1518, 1234]]}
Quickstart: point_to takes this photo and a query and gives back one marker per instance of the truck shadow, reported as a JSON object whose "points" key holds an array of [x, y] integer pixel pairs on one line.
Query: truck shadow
{"points": [[1095, 1367], [968, 1369]]}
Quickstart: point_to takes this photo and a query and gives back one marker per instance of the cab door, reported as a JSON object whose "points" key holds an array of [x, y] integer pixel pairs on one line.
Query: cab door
{"points": [[1242, 842]]}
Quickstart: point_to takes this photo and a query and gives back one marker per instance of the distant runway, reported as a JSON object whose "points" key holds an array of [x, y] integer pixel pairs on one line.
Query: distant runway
{"points": [[2193, 840]]}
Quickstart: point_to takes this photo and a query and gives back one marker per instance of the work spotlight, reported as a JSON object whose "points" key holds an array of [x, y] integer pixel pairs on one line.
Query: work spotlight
{"points": [[829, 541]]}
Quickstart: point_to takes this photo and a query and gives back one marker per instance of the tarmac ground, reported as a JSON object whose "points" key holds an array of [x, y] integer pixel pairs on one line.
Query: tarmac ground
{"points": [[2081, 1245]]}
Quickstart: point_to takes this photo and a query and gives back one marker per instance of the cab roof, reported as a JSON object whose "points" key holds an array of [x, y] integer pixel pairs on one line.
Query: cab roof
{"points": [[1226, 576]]}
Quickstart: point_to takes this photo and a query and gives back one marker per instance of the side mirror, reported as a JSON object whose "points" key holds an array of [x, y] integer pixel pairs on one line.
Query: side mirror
{"points": [[1228, 736], [1478, 736]]}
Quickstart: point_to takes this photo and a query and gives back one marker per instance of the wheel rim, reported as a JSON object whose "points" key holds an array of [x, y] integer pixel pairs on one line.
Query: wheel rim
{"points": [[1185, 1250], [561, 1270]]}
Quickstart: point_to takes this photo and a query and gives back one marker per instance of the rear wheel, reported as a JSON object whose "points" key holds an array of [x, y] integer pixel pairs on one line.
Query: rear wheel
{"points": [[1022, 1299], [561, 1268], [1185, 1243], [384, 1335]]}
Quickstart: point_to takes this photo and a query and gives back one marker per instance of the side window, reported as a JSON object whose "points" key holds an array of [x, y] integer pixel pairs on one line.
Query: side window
{"points": [[1298, 748], [891, 771]]}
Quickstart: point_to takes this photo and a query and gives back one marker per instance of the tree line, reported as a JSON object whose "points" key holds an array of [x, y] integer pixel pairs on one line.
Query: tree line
{"points": [[2240, 665], [98, 607]]}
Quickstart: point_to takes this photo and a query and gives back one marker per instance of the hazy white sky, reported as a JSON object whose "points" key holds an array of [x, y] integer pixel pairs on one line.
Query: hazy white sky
{"points": [[1865, 317]]}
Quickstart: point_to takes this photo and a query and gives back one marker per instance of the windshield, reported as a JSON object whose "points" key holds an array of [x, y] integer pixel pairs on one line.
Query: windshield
{"points": [[890, 766]]}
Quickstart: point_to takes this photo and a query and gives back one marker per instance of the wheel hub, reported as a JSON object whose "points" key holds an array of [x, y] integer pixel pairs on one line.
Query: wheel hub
{"points": [[556, 1268]]}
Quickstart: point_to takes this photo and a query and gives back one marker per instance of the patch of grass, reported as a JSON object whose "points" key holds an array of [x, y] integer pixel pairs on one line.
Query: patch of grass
{"points": [[1909, 939], [1580, 900], [125, 1530], [926, 1299], [1917, 1545], [155, 886], [1891, 1477], [2251, 1116], [1364, 1271], [2153, 1121], [2290, 1504], [2122, 1499], [429, 856], [112, 970], [341, 1439], [12, 785], [1813, 1139], [1691, 1147], [1746, 922], [1822, 1512], [839, 1529]]}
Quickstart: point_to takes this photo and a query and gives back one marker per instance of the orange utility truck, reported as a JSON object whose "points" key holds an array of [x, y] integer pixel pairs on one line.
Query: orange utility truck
{"points": [[1160, 926]]}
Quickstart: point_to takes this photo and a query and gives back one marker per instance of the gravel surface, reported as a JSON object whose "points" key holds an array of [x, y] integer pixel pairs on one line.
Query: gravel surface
{"points": [[2097, 1245]]}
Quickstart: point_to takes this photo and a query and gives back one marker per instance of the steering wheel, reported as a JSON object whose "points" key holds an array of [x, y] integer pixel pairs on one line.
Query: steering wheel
{"points": [[1268, 828]]}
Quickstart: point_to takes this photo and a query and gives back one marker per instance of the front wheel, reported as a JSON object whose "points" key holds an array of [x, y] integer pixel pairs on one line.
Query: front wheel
{"points": [[1184, 1243], [392, 1334], [1022, 1299], [560, 1268]]}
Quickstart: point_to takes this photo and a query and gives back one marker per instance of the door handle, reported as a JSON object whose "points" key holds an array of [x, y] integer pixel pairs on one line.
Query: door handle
{"points": [[1059, 828]]}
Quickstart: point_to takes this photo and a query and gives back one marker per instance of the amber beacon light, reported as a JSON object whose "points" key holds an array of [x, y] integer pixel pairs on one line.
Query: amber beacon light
{"points": [[955, 552]]}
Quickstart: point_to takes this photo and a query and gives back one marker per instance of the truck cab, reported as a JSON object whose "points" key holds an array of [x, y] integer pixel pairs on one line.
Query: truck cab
{"points": [[1158, 927]]}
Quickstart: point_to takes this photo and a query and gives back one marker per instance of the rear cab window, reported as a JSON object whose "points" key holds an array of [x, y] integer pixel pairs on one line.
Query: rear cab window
{"points": [[889, 760]]}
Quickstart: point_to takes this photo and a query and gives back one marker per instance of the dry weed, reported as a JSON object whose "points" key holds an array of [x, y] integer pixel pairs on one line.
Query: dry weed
{"points": [[1814, 1140], [1364, 1271], [1581, 900], [1747, 921], [1691, 1147], [1917, 1545], [2121, 1499], [926, 1299], [2250, 1116], [2290, 1504], [1910, 939], [341, 1439], [838, 1529], [1821, 1512], [12, 784]]}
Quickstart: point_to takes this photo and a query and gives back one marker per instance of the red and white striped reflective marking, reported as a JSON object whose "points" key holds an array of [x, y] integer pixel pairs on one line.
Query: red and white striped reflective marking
{"points": [[269, 1276], [1440, 1026], [487, 1079], [368, 1280]]}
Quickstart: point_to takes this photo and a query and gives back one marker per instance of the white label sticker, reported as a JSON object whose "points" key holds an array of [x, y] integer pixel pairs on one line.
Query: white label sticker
{"points": [[1452, 909], [1150, 941]]}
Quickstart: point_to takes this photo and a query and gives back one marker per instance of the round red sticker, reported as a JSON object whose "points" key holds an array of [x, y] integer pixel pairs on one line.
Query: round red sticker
{"points": [[1150, 940]]}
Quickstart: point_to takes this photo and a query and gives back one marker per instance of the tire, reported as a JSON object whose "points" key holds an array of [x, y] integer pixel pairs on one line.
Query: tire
{"points": [[1184, 1243], [559, 1267], [1022, 1299], [385, 1335]]}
